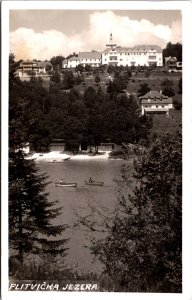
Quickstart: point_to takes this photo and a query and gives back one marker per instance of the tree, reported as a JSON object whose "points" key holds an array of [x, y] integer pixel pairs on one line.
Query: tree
{"points": [[97, 79], [174, 50], [117, 85], [94, 132], [13, 66], [30, 212], [167, 86], [122, 120], [68, 80], [88, 68], [143, 89], [56, 62], [142, 250], [80, 68], [56, 77]]}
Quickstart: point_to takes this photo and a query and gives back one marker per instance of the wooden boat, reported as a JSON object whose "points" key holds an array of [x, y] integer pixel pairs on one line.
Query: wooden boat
{"points": [[59, 160], [66, 184], [67, 158], [55, 161], [94, 183]]}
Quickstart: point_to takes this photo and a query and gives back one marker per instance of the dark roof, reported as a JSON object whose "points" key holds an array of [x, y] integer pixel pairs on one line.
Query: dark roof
{"points": [[35, 63], [90, 55], [86, 55], [170, 58], [136, 49], [154, 97]]}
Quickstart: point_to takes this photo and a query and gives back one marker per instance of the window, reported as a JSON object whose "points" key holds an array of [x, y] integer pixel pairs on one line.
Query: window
{"points": [[157, 106], [113, 58], [152, 57]]}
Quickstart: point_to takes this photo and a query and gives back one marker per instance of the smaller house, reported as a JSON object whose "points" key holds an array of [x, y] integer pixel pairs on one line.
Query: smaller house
{"points": [[35, 68], [155, 102], [173, 65], [170, 62]]}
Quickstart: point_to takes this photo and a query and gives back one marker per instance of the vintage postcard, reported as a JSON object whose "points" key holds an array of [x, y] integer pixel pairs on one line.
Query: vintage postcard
{"points": [[96, 149]]}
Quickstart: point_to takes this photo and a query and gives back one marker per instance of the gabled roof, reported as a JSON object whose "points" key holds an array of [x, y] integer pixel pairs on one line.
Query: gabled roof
{"points": [[155, 97], [170, 58], [136, 49], [35, 63], [85, 55], [89, 55]]}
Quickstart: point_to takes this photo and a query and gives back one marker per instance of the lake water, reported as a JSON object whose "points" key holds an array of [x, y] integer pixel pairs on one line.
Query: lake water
{"points": [[82, 200]]}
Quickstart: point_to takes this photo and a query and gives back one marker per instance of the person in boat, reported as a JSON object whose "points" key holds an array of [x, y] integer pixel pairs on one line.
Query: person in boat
{"points": [[91, 180], [61, 180]]}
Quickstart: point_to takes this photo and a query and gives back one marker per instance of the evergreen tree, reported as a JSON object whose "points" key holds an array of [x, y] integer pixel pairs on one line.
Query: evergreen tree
{"points": [[143, 89], [30, 212], [167, 86]]}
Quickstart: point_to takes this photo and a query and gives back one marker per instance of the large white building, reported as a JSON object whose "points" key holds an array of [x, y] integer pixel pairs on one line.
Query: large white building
{"points": [[84, 58], [141, 55]]}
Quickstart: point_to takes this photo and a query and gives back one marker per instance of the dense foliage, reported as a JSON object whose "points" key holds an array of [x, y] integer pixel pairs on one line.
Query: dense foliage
{"points": [[31, 230], [174, 50], [142, 251], [61, 110], [143, 89], [167, 87]]}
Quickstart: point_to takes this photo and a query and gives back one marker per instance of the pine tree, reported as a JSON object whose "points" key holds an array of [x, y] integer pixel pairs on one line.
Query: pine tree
{"points": [[31, 230]]}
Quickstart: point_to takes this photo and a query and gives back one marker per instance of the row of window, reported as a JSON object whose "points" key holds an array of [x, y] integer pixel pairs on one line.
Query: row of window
{"points": [[130, 53], [87, 59], [157, 106]]}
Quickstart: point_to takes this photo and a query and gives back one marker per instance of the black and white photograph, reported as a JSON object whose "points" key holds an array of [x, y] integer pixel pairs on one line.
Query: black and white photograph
{"points": [[94, 177]]}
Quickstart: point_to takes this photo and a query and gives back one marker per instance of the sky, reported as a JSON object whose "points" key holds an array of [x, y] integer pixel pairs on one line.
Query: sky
{"points": [[42, 34]]}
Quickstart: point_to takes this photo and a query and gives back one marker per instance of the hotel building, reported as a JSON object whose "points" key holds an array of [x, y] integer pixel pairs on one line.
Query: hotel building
{"points": [[140, 55]]}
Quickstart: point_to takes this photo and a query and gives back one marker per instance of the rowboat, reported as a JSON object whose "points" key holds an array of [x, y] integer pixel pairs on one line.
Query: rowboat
{"points": [[59, 160], [66, 184], [67, 158], [94, 183]]}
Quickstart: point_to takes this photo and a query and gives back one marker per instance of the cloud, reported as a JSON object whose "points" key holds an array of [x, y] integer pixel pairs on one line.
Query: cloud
{"points": [[25, 43]]}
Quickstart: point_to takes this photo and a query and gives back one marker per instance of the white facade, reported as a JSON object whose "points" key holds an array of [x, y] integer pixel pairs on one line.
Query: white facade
{"points": [[155, 103], [84, 58], [141, 55], [37, 68], [137, 56]]}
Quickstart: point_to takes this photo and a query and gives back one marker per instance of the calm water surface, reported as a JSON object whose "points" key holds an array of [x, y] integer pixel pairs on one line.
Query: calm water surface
{"points": [[80, 200]]}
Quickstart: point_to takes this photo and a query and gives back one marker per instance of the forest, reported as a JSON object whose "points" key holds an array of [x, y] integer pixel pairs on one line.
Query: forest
{"points": [[63, 112]]}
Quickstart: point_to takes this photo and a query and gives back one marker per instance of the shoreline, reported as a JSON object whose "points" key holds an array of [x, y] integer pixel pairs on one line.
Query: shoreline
{"points": [[56, 156]]}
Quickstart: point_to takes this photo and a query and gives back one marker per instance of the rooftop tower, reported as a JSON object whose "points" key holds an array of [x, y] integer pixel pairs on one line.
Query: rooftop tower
{"points": [[111, 43]]}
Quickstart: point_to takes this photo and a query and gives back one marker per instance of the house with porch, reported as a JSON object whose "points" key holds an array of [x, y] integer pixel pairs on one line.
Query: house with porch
{"points": [[155, 102]]}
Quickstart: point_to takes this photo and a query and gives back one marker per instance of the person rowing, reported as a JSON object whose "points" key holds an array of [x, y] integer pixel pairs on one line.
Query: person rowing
{"points": [[91, 180]]}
